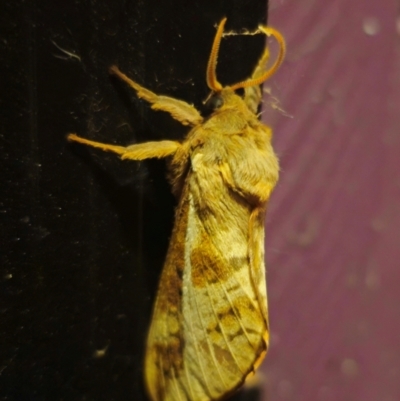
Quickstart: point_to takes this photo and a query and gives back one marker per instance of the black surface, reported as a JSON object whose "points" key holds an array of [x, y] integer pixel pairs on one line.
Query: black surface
{"points": [[84, 234]]}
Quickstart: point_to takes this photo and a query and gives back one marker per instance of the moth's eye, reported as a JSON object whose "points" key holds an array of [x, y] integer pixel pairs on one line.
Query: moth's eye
{"points": [[214, 102]]}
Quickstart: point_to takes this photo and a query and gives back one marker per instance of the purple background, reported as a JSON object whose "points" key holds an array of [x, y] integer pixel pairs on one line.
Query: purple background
{"points": [[333, 225]]}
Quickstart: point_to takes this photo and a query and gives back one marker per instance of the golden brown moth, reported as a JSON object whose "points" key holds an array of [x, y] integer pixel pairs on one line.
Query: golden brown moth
{"points": [[209, 330]]}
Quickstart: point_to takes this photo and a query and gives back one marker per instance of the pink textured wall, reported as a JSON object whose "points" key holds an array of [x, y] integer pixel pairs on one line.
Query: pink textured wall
{"points": [[333, 228]]}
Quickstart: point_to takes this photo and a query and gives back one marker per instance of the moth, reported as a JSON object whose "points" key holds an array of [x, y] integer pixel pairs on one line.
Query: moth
{"points": [[209, 330]]}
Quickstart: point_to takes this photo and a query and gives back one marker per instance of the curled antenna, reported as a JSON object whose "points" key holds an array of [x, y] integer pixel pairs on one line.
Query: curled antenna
{"points": [[269, 31], [212, 81]]}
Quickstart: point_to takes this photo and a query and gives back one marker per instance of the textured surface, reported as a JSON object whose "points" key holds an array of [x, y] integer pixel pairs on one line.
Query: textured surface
{"points": [[333, 227]]}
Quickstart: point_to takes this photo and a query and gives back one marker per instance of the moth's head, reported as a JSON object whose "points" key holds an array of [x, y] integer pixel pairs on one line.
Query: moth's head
{"points": [[220, 96]]}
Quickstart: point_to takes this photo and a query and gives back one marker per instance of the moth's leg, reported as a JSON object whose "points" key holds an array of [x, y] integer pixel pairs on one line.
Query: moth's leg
{"points": [[141, 151], [149, 150], [253, 94], [179, 110]]}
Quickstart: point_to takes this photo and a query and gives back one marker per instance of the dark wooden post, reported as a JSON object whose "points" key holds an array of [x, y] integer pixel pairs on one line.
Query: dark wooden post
{"points": [[84, 234]]}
